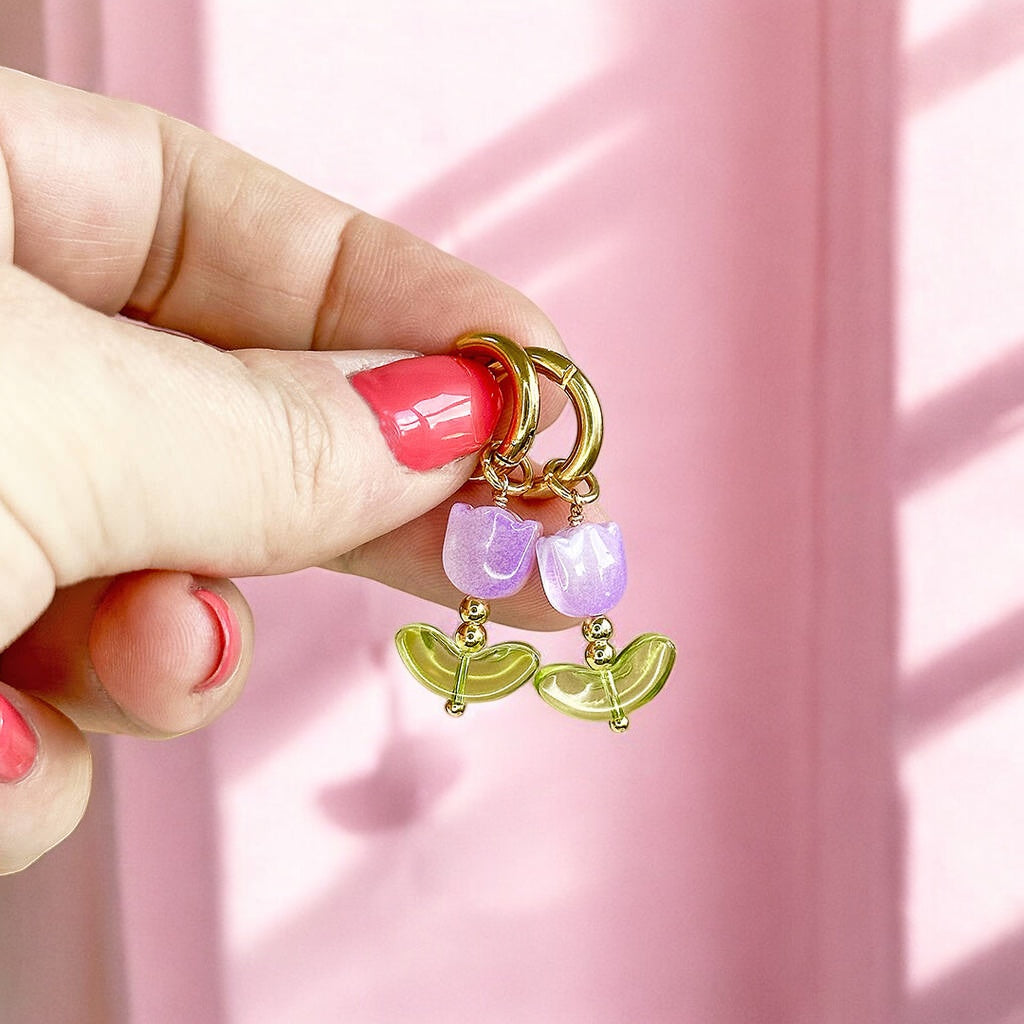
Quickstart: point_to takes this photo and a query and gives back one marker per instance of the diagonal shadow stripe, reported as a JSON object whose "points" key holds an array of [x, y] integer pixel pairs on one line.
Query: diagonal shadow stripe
{"points": [[949, 430], [980, 668], [982, 41], [987, 988]]}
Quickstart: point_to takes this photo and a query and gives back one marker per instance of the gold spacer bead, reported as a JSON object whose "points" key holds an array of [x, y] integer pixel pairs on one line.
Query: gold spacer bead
{"points": [[600, 654], [473, 609], [453, 709], [471, 636], [599, 627], [619, 724]]}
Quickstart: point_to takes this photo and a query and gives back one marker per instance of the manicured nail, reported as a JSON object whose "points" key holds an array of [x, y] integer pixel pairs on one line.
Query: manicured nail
{"points": [[230, 637], [432, 410], [18, 744]]}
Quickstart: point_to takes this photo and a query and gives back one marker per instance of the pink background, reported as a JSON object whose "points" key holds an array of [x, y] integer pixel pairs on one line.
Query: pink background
{"points": [[785, 240]]}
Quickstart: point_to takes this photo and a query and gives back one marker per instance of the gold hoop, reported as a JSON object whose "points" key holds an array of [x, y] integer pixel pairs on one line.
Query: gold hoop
{"points": [[525, 392], [561, 475]]}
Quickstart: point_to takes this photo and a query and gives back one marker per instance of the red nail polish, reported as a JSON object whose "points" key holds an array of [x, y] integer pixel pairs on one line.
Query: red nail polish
{"points": [[231, 640], [432, 410], [18, 744]]}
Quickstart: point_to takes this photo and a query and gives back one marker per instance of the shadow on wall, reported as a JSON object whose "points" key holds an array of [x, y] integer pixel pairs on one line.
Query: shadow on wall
{"points": [[942, 434], [664, 214], [943, 692], [936, 440], [990, 35], [23, 39], [988, 988], [111, 46], [681, 186]]}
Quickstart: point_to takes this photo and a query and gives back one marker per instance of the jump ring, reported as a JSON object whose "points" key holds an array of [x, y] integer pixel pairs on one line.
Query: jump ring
{"points": [[569, 493], [501, 480]]}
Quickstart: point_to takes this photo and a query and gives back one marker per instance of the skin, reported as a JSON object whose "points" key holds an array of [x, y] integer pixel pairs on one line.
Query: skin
{"points": [[139, 456]]}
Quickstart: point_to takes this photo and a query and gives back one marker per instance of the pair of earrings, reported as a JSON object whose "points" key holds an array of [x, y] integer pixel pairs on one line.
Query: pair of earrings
{"points": [[490, 551]]}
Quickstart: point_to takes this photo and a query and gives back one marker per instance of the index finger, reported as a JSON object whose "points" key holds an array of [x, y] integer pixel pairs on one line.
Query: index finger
{"points": [[125, 209]]}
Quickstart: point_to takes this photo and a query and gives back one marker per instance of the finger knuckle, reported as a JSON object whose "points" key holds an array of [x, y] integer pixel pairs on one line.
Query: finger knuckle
{"points": [[310, 450], [307, 458]]}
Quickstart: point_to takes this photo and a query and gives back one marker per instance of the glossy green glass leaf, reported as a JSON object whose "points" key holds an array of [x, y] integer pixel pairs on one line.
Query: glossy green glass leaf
{"points": [[602, 694], [438, 663]]}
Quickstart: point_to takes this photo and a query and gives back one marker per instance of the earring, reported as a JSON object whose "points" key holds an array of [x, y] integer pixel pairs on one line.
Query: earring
{"points": [[489, 552], [583, 570]]}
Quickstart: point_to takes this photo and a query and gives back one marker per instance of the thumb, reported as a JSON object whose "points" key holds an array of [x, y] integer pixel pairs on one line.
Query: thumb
{"points": [[127, 448]]}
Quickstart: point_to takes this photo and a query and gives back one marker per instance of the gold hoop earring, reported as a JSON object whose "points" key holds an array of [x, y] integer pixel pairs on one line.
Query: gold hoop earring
{"points": [[488, 552], [583, 570]]}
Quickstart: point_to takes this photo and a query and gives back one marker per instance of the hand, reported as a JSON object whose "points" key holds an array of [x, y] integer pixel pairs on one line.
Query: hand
{"points": [[138, 468]]}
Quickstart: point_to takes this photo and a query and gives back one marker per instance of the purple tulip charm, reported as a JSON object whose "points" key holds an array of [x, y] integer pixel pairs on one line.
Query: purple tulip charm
{"points": [[583, 568], [488, 551]]}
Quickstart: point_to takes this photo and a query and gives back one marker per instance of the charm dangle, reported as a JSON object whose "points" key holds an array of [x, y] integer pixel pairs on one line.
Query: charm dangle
{"points": [[489, 552], [612, 684], [464, 668], [583, 570]]}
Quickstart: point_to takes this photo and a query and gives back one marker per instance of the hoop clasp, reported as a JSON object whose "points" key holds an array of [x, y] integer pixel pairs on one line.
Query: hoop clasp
{"points": [[561, 475], [502, 458], [525, 394]]}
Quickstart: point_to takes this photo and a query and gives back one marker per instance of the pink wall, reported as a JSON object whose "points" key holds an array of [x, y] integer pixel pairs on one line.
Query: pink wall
{"points": [[795, 282]]}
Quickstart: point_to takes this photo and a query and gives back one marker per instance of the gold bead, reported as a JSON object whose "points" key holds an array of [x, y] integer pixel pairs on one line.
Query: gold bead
{"points": [[619, 724], [473, 609], [600, 654], [597, 628], [471, 636]]}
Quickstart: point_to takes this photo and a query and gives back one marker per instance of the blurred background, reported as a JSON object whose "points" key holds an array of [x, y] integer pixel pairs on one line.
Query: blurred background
{"points": [[785, 240]]}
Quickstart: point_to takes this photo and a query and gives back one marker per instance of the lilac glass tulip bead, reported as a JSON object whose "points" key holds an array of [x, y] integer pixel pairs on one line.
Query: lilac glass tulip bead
{"points": [[583, 568], [488, 551]]}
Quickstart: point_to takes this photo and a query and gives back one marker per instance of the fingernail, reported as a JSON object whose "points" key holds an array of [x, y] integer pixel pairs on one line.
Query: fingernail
{"points": [[18, 744], [230, 639], [432, 410]]}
